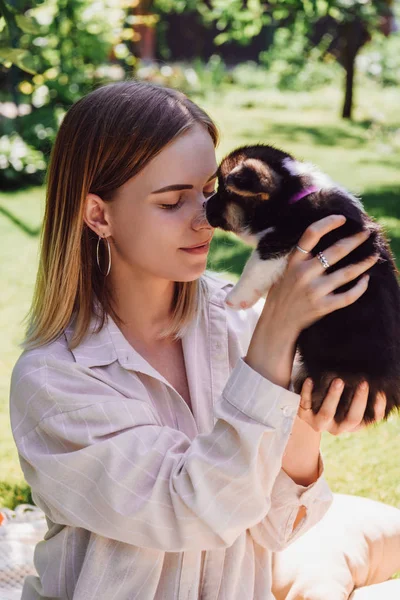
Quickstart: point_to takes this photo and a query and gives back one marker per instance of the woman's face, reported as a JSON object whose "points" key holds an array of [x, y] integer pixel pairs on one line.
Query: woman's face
{"points": [[150, 225]]}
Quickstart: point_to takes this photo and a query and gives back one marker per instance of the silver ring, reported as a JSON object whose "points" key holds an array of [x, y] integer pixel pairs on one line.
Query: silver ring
{"points": [[301, 250], [323, 261]]}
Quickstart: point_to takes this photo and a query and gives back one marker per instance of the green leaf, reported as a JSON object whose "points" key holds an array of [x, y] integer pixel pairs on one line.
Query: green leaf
{"points": [[27, 24], [11, 54], [20, 58], [221, 38]]}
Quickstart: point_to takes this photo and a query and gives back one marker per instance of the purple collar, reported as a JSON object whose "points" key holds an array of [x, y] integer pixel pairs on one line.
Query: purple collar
{"points": [[303, 193]]}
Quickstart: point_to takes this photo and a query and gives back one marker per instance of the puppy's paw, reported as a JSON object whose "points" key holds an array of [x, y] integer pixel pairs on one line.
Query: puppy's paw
{"points": [[240, 299]]}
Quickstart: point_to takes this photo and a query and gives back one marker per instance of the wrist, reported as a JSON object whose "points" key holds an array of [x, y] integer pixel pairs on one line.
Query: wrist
{"points": [[271, 353], [278, 326], [301, 457]]}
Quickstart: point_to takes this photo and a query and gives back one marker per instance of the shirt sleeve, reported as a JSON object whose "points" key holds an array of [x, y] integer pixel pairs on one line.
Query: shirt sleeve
{"points": [[105, 462], [275, 531]]}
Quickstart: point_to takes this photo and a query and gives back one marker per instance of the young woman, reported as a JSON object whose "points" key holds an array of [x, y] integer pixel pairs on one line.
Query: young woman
{"points": [[156, 426]]}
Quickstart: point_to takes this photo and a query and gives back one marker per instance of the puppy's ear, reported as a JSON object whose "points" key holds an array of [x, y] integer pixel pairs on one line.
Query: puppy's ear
{"points": [[252, 177], [264, 175], [259, 167]]}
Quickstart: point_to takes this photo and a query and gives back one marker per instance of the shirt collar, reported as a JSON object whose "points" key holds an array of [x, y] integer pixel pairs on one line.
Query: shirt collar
{"points": [[109, 344]]}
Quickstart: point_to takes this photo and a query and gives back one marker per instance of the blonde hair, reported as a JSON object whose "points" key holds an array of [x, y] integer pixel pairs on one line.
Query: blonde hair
{"points": [[106, 137]]}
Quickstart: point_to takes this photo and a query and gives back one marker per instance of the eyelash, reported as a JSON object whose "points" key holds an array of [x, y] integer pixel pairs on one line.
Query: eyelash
{"points": [[179, 203]]}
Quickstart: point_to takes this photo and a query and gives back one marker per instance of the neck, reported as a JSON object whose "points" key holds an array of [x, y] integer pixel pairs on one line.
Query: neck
{"points": [[143, 303]]}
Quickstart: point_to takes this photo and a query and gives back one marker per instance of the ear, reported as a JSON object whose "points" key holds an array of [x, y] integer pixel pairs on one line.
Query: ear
{"points": [[263, 172], [267, 177], [95, 215]]}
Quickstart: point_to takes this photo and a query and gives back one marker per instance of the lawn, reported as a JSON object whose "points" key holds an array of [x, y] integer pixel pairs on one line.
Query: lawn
{"points": [[363, 155]]}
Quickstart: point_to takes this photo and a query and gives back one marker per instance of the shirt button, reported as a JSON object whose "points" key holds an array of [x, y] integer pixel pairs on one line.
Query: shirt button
{"points": [[219, 354], [287, 411]]}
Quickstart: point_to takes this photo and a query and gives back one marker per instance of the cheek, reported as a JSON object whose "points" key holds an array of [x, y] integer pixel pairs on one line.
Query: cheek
{"points": [[148, 235]]}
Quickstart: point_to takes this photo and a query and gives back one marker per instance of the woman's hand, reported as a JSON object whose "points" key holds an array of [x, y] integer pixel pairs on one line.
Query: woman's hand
{"points": [[304, 294], [324, 419]]}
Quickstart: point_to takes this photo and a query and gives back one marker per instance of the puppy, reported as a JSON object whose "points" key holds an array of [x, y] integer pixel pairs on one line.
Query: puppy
{"points": [[268, 199]]}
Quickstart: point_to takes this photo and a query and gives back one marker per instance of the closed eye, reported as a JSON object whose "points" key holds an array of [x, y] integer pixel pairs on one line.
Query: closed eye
{"points": [[180, 202]]}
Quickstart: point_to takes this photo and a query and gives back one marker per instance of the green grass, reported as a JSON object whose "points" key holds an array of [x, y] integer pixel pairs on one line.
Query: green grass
{"points": [[363, 156]]}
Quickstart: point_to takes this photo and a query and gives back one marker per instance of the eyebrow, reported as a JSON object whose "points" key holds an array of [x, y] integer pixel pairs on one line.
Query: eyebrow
{"points": [[181, 186]]}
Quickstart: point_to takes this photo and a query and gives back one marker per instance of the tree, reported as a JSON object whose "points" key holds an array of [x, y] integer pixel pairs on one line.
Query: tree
{"points": [[340, 27], [348, 30]]}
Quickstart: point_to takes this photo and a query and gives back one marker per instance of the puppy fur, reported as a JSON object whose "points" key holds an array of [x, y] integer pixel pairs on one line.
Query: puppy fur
{"points": [[360, 341]]}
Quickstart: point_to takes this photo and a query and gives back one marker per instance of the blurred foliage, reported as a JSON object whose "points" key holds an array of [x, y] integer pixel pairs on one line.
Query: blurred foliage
{"points": [[20, 162], [284, 66], [59, 50], [66, 48], [241, 21]]}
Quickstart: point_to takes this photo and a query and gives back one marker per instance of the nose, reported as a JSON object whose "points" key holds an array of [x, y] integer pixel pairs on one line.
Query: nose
{"points": [[200, 219]]}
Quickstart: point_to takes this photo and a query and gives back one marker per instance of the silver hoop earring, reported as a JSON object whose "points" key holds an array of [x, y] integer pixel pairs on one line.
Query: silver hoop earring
{"points": [[109, 256]]}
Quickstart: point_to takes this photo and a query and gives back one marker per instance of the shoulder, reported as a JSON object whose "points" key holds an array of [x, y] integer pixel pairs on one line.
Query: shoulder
{"points": [[45, 382], [33, 363]]}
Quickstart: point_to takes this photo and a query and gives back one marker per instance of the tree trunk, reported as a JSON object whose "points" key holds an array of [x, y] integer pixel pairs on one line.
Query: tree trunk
{"points": [[354, 34], [146, 44], [349, 85]]}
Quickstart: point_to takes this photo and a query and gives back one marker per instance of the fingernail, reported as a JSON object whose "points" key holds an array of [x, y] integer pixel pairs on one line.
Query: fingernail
{"points": [[338, 384], [309, 382], [363, 385]]}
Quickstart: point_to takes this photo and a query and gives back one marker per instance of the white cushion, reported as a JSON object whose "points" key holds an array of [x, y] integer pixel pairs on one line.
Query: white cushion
{"points": [[389, 590]]}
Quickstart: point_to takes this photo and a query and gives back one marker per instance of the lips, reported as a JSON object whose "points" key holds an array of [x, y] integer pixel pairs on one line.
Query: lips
{"points": [[197, 245]]}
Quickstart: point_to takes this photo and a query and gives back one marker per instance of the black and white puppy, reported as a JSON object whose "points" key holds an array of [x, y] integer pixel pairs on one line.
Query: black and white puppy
{"points": [[268, 199]]}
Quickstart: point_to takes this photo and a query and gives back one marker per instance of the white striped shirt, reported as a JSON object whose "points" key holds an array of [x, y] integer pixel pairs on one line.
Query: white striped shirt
{"points": [[144, 498]]}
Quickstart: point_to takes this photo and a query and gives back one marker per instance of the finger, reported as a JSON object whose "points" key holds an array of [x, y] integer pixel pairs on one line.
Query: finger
{"points": [[305, 395], [324, 419], [338, 278], [335, 301], [337, 251], [356, 411], [380, 406], [305, 412], [379, 412], [314, 233]]}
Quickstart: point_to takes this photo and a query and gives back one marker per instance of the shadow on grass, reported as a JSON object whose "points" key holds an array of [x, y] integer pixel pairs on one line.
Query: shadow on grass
{"points": [[383, 202], [227, 253], [391, 162], [384, 205], [32, 231], [320, 135]]}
